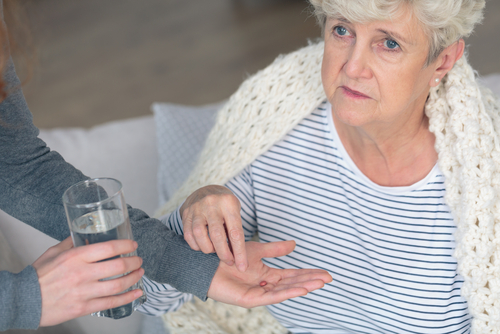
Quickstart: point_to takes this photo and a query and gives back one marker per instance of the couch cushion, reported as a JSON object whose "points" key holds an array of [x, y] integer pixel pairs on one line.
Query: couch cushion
{"points": [[9, 259], [123, 149]]}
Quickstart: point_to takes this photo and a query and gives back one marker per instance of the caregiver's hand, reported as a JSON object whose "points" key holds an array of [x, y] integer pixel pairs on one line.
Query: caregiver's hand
{"points": [[69, 279], [214, 210], [261, 285]]}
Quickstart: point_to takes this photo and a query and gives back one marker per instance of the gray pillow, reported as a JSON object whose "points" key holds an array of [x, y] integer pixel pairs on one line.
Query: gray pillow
{"points": [[181, 132]]}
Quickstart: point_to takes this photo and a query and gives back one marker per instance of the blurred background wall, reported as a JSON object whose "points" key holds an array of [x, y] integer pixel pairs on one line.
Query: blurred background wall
{"points": [[104, 60]]}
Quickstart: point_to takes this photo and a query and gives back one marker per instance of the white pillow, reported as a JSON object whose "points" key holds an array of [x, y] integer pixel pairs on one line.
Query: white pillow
{"points": [[123, 149], [181, 132]]}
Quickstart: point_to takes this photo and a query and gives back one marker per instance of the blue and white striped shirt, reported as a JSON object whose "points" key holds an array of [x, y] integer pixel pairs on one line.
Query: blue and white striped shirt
{"points": [[389, 249]]}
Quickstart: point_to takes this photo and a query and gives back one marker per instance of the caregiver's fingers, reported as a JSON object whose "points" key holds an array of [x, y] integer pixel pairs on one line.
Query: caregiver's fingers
{"points": [[64, 245], [105, 303], [53, 252], [70, 278], [105, 250], [118, 266], [115, 286]]}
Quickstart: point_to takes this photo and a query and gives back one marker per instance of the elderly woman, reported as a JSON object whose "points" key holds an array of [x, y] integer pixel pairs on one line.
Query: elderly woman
{"points": [[378, 153]]}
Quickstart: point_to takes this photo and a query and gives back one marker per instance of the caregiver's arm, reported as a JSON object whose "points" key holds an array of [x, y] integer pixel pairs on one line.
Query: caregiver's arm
{"points": [[33, 179], [19, 292]]}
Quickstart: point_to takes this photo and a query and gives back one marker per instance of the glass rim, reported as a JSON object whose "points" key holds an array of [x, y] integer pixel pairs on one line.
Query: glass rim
{"points": [[92, 204]]}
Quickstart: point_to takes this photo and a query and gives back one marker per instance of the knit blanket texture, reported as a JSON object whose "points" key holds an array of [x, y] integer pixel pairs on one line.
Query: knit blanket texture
{"points": [[463, 116]]}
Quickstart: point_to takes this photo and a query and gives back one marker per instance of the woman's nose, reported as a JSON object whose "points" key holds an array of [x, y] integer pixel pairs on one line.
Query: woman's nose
{"points": [[357, 64]]}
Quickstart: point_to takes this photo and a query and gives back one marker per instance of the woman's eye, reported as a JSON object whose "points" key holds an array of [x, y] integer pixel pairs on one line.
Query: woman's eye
{"points": [[390, 44], [341, 31]]}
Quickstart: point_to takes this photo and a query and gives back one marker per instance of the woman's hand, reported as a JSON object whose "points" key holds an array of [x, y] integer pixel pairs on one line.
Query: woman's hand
{"points": [[261, 285], [70, 279], [212, 223]]}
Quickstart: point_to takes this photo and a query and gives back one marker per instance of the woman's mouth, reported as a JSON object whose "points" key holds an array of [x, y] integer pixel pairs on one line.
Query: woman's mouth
{"points": [[353, 93]]}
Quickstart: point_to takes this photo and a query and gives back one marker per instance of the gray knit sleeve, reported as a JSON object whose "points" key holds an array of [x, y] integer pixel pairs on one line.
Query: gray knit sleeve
{"points": [[33, 179], [20, 300]]}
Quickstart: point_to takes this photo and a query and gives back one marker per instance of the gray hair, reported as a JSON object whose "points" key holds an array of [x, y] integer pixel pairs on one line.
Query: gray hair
{"points": [[444, 21]]}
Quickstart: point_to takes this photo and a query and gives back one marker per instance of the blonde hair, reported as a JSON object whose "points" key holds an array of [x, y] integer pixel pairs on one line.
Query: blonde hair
{"points": [[444, 21]]}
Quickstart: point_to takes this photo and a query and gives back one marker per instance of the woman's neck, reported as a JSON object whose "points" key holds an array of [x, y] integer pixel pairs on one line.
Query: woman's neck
{"points": [[392, 155]]}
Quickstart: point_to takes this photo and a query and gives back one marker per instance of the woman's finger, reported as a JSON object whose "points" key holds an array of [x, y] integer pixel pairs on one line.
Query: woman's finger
{"points": [[200, 233], [272, 249], [219, 241], [231, 211], [218, 235], [187, 222], [261, 298], [236, 238], [290, 276], [309, 285]]}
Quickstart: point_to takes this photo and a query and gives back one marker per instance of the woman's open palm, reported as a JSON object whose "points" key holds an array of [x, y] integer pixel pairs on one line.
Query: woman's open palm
{"points": [[260, 284]]}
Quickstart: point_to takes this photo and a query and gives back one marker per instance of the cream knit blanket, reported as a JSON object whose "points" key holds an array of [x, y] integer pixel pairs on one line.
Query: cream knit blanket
{"points": [[463, 116]]}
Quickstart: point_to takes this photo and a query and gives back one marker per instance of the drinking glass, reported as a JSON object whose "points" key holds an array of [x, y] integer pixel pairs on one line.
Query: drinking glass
{"points": [[97, 212]]}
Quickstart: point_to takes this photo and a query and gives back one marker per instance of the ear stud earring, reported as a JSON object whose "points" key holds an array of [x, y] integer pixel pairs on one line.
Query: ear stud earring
{"points": [[437, 80]]}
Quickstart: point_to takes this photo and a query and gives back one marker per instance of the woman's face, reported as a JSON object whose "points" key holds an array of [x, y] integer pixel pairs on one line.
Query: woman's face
{"points": [[375, 73]]}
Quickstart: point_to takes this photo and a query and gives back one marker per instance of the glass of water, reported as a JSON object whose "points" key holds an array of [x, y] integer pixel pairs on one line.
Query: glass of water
{"points": [[97, 212]]}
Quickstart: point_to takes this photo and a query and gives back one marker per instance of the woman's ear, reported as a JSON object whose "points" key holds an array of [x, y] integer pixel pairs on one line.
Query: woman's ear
{"points": [[446, 60]]}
